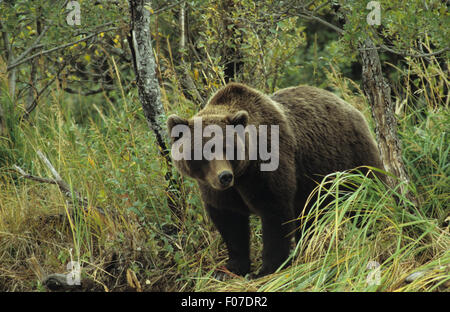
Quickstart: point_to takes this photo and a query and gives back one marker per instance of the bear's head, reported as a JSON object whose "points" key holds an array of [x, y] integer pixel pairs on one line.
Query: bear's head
{"points": [[210, 148]]}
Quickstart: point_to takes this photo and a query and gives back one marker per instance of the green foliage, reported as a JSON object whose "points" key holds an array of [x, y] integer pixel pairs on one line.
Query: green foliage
{"points": [[403, 22]]}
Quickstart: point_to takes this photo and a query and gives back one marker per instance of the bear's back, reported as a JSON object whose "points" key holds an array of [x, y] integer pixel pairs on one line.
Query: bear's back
{"points": [[304, 101], [330, 133]]}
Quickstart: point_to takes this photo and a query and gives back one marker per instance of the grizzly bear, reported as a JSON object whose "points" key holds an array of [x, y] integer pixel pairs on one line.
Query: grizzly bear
{"points": [[317, 134]]}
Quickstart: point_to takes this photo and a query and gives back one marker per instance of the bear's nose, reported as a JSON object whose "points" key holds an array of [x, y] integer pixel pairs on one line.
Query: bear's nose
{"points": [[225, 178]]}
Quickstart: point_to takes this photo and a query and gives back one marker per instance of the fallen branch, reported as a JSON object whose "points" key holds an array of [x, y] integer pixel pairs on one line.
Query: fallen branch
{"points": [[58, 282], [71, 194]]}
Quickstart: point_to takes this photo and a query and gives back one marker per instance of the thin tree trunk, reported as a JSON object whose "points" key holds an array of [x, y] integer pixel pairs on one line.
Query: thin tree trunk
{"points": [[187, 82], [11, 80], [3, 128], [182, 27], [32, 91], [9, 60], [378, 93], [149, 92], [231, 54], [12, 84]]}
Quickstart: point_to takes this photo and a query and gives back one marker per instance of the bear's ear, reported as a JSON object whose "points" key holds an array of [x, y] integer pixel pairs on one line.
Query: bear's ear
{"points": [[174, 120], [239, 118]]}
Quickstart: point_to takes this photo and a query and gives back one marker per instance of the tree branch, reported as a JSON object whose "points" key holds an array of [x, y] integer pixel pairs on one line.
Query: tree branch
{"points": [[33, 46], [12, 66], [404, 53], [168, 7], [308, 15], [29, 109], [92, 92]]}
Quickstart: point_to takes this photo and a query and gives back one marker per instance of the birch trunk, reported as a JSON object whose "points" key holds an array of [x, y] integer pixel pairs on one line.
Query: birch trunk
{"points": [[148, 90], [145, 70]]}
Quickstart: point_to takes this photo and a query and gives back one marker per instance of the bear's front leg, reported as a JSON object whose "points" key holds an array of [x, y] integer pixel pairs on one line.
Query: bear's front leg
{"points": [[234, 229], [271, 195], [276, 243]]}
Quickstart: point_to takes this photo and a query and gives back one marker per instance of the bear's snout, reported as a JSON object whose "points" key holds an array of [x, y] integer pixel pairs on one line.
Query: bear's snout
{"points": [[225, 177]]}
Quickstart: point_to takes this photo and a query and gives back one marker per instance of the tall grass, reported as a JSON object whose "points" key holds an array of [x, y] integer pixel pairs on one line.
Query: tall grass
{"points": [[354, 230]]}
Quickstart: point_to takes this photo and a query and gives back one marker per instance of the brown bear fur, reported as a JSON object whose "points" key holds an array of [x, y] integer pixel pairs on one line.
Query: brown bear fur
{"points": [[318, 134]]}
